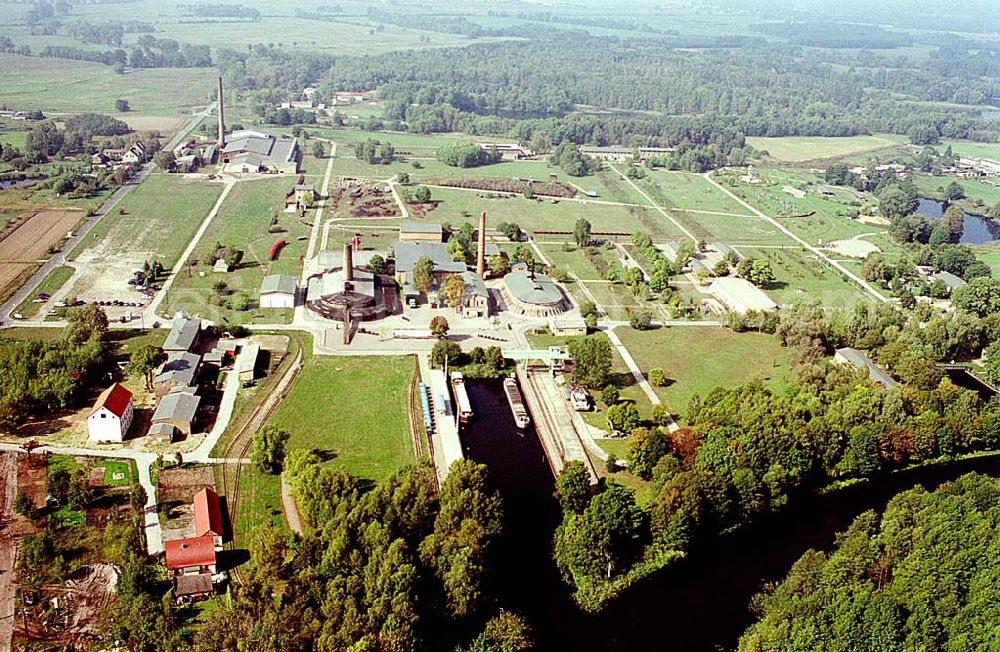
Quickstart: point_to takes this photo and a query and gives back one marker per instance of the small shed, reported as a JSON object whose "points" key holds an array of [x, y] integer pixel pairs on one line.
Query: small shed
{"points": [[568, 327], [278, 291], [177, 409], [246, 362]]}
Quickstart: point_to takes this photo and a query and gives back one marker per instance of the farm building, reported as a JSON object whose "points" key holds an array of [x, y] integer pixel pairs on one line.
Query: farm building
{"points": [[670, 249], [136, 154], [858, 359], [568, 327], [189, 588], [408, 253], [613, 154], [951, 281], [277, 291], [179, 371], [175, 414], [255, 151], [532, 295], [111, 415], [246, 362], [725, 250], [740, 295], [183, 335], [208, 516], [508, 151], [476, 298], [420, 232], [193, 556]]}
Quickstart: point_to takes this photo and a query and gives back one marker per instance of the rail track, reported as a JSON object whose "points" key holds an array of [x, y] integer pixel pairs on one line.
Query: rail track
{"points": [[239, 445]]}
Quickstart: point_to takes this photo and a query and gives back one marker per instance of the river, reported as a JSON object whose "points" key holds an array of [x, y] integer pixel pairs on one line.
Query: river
{"points": [[975, 229], [700, 603]]}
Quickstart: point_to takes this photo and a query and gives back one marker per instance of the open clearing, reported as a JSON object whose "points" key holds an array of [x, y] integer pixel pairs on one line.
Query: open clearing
{"points": [[795, 149], [801, 278], [243, 220], [161, 216], [355, 409], [687, 191], [61, 85], [697, 360]]}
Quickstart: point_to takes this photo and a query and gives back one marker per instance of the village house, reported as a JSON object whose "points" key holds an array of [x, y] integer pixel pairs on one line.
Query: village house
{"points": [[179, 371], [475, 298], [183, 335], [175, 414], [207, 516], [136, 154], [192, 556], [111, 416]]}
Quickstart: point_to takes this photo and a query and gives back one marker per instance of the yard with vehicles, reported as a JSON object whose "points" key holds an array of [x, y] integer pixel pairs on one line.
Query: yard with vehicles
{"points": [[354, 410], [244, 221], [49, 285], [692, 357], [797, 149]]}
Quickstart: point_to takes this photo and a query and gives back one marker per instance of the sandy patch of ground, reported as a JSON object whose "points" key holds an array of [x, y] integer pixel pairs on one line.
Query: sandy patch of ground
{"points": [[794, 192], [853, 248], [162, 123]]}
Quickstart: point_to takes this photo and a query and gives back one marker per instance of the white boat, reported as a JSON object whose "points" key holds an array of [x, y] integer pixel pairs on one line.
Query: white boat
{"points": [[461, 397], [516, 401], [580, 399]]}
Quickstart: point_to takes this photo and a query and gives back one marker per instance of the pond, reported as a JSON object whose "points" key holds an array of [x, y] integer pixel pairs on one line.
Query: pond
{"points": [[700, 603], [15, 183], [975, 229]]}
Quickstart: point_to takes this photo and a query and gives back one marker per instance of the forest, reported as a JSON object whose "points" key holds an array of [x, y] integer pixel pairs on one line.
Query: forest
{"points": [[747, 450], [923, 575], [398, 566]]}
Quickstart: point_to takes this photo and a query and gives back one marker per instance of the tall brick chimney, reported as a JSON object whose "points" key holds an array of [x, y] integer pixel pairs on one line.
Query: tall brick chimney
{"points": [[222, 121], [348, 263], [481, 249]]}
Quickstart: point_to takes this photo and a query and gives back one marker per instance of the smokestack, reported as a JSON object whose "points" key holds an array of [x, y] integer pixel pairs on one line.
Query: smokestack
{"points": [[481, 250], [222, 120], [348, 263]]}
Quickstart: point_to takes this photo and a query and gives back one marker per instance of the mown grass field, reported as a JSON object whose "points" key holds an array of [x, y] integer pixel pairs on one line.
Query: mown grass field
{"points": [[76, 86], [687, 191], [795, 149], [731, 229], [161, 216], [243, 220], [354, 408], [800, 278], [12, 138], [696, 360], [970, 149]]}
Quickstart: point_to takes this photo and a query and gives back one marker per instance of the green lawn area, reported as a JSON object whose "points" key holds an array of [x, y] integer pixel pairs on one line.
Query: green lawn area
{"points": [[800, 278], [731, 229], [687, 191], [52, 282], [243, 220], [260, 501], [989, 254], [62, 85], [13, 138], [697, 360], [161, 216], [356, 408], [971, 149], [807, 148], [974, 189], [113, 467]]}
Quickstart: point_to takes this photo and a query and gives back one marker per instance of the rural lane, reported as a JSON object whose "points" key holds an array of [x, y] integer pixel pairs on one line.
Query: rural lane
{"points": [[8, 551], [15, 300]]}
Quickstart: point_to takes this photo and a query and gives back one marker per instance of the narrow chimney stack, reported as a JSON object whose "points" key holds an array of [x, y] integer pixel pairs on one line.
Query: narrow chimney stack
{"points": [[222, 120], [481, 249], [348, 263]]}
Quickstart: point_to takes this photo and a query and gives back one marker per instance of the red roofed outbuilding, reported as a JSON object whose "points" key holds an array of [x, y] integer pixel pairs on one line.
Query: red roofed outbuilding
{"points": [[190, 556], [111, 415], [207, 516]]}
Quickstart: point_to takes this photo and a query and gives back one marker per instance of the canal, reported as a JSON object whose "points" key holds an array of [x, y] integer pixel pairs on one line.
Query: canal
{"points": [[700, 603]]}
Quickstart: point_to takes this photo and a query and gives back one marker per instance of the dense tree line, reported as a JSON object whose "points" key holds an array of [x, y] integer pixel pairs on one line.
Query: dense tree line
{"points": [[757, 90], [398, 567], [836, 35], [748, 450], [227, 10], [42, 376], [467, 154], [923, 575]]}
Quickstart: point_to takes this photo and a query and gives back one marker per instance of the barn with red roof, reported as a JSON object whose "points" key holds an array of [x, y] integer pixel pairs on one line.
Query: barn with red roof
{"points": [[192, 556], [111, 415], [207, 516]]}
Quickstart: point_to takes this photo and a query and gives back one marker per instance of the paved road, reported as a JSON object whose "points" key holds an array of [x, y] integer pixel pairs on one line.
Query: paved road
{"points": [[28, 288]]}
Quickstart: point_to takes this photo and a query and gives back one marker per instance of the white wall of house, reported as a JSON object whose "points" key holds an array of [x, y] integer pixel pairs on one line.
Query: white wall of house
{"points": [[277, 300], [105, 425]]}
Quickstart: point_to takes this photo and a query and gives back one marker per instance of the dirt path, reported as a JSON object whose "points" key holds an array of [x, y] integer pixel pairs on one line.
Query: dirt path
{"points": [[8, 550], [289, 507]]}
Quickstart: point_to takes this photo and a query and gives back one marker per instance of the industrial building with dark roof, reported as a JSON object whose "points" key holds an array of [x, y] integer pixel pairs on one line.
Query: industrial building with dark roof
{"points": [[532, 295], [408, 253], [255, 151]]}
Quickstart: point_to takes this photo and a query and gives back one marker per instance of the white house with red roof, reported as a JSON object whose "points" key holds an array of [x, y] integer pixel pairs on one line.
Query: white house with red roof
{"points": [[111, 416]]}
